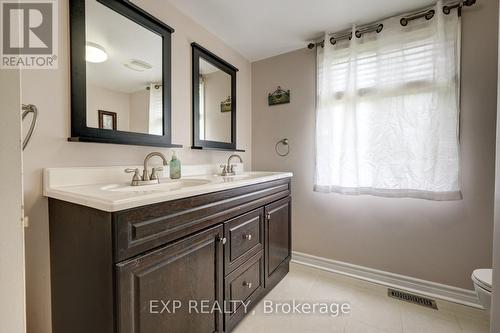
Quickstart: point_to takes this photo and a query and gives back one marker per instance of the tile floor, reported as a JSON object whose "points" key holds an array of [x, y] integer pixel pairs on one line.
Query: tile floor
{"points": [[371, 310]]}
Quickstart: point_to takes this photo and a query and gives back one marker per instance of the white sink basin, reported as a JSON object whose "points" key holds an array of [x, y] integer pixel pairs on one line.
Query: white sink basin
{"points": [[234, 177], [163, 186], [242, 176]]}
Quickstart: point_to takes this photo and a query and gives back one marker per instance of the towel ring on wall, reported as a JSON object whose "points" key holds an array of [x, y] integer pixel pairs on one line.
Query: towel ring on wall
{"points": [[283, 142], [27, 109]]}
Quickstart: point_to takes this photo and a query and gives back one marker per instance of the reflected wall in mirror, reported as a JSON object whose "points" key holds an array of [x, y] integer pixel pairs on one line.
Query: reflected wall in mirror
{"points": [[214, 101], [124, 71], [120, 74]]}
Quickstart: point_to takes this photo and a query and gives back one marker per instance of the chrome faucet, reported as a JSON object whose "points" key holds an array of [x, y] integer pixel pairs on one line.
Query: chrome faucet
{"points": [[146, 178], [145, 172], [228, 169]]}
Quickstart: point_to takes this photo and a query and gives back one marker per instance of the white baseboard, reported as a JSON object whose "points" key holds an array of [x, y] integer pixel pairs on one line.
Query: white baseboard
{"points": [[401, 282]]}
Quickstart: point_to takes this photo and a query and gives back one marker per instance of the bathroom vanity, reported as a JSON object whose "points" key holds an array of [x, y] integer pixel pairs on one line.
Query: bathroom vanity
{"points": [[173, 257]]}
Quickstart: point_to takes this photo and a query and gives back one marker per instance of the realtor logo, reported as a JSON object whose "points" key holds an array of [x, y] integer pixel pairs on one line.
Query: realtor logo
{"points": [[29, 34]]}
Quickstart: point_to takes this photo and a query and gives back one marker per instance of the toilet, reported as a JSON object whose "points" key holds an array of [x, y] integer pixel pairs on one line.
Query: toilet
{"points": [[482, 279]]}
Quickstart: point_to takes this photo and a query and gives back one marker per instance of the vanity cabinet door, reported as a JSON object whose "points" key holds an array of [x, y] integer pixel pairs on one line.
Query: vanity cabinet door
{"points": [[278, 240], [155, 290]]}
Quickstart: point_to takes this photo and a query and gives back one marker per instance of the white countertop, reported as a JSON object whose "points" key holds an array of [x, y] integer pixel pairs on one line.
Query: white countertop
{"points": [[109, 189]]}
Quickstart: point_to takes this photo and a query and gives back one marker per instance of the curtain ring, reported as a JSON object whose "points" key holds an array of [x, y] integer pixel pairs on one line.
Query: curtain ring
{"points": [[430, 14], [283, 142]]}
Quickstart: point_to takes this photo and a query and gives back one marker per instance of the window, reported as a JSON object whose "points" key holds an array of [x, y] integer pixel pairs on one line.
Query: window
{"points": [[388, 110]]}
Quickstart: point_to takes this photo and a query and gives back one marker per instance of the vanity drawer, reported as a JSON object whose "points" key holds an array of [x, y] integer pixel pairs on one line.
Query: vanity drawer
{"points": [[141, 229], [245, 236], [245, 284]]}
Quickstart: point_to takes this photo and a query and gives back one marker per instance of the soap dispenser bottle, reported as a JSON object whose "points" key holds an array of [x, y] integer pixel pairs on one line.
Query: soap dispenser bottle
{"points": [[175, 167]]}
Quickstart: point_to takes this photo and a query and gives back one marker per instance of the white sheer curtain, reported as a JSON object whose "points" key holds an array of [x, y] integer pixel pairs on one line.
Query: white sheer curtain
{"points": [[201, 111], [388, 111], [156, 109]]}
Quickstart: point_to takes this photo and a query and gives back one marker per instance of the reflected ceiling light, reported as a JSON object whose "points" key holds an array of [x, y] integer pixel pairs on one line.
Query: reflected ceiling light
{"points": [[95, 53], [138, 65]]}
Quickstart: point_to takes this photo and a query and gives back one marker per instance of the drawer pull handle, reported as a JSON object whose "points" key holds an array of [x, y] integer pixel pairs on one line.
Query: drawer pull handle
{"points": [[222, 240], [247, 284], [248, 237]]}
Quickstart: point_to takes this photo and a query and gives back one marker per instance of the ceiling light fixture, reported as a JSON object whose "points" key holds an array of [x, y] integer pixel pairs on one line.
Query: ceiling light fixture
{"points": [[95, 53]]}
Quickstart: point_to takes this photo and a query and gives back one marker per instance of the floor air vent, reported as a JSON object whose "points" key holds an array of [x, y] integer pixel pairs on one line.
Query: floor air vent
{"points": [[415, 299]]}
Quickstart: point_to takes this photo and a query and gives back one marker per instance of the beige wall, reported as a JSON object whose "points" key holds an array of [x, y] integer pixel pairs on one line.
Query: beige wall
{"points": [[217, 123], [139, 111], [49, 89], [99, 98], [436, 241]]}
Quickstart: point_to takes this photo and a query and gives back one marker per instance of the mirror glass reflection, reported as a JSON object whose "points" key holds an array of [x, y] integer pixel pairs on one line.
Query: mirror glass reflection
{"points": [[215, 103], [124, 73]]}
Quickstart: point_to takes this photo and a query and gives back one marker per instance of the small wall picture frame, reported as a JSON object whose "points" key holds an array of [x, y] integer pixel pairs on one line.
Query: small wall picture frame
{"points": [[107, 120], [279, 96], [225, 106]]}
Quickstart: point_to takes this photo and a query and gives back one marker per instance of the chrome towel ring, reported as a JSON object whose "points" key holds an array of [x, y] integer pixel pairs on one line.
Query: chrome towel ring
{"points": [[282, 142], [29, 108]]}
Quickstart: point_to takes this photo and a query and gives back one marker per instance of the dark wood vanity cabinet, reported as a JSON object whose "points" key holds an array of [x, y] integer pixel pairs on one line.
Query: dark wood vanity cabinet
{"points": [[159, 268]]}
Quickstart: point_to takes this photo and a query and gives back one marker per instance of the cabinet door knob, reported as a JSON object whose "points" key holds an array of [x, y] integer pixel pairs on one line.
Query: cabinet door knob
{"points": [[247, 284], [223, 240], [247, 237], [268, 216]]}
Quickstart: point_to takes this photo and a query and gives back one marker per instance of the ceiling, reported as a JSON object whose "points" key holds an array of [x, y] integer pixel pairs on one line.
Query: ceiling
{"points": [[123, 40], [206, 67], [261, 29]]}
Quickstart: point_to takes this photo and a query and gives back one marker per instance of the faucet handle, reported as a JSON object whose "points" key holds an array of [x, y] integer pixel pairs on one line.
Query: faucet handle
{"points": [[154, 175], [136, 178], [130, 170]]}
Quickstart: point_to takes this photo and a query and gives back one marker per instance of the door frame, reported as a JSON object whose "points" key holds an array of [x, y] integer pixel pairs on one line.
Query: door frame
{"points": [[12, 277]]}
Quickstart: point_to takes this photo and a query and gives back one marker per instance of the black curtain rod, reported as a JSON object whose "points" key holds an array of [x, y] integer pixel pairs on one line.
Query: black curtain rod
{"points": [[427, 13]]}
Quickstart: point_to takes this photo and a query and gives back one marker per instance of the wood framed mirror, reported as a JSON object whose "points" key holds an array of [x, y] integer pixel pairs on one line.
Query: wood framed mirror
{"points": [[120, 63], [214, 101]]}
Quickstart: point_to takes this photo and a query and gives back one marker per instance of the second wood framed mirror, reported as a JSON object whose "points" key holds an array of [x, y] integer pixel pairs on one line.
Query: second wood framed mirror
{"points": [[214, 101]]}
